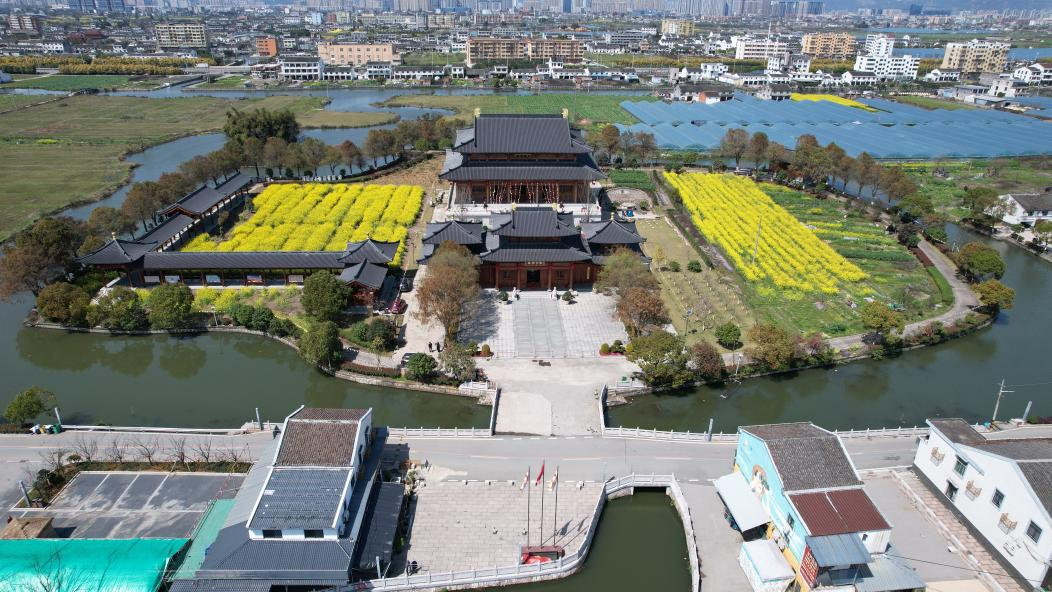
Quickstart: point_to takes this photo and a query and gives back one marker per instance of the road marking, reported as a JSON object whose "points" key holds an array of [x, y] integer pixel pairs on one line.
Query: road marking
{"points": [[490, 457], [693, 480], [672, 458], [582, 458]]}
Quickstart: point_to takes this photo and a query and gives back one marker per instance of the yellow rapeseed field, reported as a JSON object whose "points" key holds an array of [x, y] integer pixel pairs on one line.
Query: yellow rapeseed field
{"points": [[322, 217], [766, 243], [831, 99]]}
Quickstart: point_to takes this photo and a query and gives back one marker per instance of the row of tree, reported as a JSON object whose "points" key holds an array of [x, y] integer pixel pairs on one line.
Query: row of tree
{"points": [[611, 144]]}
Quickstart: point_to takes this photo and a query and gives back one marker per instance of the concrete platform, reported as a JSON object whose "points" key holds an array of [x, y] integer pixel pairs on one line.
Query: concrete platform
{"points": [[120, 505]]}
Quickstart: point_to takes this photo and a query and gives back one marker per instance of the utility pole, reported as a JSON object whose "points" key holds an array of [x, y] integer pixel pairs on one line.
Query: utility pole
{"points": [[1001, 392], [756, 243]]}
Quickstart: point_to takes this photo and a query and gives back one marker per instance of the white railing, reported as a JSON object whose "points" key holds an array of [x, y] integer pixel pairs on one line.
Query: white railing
{"points": [[151, 430], [438, 432], [882, 432], [542, 571], [672, 435]]}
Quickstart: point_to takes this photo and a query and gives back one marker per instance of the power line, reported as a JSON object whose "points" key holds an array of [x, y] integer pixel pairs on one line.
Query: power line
{"points": [[1031, 384], [971, 569]]}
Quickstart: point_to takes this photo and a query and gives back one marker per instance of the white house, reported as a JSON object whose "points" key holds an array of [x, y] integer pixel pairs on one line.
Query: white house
{"points": [[1027, 208], [1034, 74], [300, 68], [707, 71], [888, 67], [940, 75], [856, 78], [1003, 488], [309, 486]]}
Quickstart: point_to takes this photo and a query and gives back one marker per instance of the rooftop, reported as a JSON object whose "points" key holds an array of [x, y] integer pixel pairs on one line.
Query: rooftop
{"points": [[501, 133], [205, 197], [301, 498], [318, 443], [838, 512], [807, 456]]}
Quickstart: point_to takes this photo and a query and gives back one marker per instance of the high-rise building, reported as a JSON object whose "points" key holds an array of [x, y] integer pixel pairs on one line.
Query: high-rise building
{"points": [[99, 6], [681, 27], [888, 67], [25, 23], [976, 56], [491, 49], [266, 47], [356, 54], [879, 45], [829, 46], [181, 35], [753, 48]]}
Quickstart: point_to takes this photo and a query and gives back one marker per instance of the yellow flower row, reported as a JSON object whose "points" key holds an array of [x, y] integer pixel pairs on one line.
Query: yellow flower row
{"points": [[765, 241], [322, 217]]}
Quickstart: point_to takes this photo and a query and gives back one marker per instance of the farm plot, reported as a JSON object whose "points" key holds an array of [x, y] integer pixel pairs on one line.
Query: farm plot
{"points": [[322, 217]]}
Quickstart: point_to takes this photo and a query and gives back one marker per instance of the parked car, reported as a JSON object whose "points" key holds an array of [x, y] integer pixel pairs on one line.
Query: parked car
{"points": [[397, 307], [407, 284]]}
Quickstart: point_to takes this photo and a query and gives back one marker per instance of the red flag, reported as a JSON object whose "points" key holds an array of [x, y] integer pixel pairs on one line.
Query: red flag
{"points": [[539, 475], [525, 479]]}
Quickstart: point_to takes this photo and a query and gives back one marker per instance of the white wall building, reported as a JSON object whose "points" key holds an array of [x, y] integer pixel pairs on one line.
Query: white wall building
{"points": [[879, 45], [888, 67], [1003, 488], [1027, 208], [752, 48], [1036, 73]]}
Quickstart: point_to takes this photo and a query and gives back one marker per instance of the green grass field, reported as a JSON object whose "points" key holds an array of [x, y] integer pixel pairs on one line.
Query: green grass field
{"points": [[231, 82], [931, 103], [585, 109], [945, 182], [632, 178], [81, 82], [895, 275], [69, 151], [431, 58]]}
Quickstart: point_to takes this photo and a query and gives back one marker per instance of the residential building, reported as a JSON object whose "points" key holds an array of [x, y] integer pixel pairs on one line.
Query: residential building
{"points": [[25, 23], [829, 46], [1001, 488], [680, 27], [357, 54], [301, 68], [888, 67], [701, 93], [181, 35], [1006, 87], [495, 49], [705, 71], [879, 44], [266, 47], [752, 48], [856, 78], [1034, 74], [940, 75], [1027, 208], [775, 92], [798, 478], [976, 56]]}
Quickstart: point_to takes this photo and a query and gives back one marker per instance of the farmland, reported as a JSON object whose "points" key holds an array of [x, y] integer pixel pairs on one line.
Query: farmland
{"points": [[635, 179], [321, 217], [931, 102], [73, 82], [945, 182], [585, 109], [831, 99], [815, 262]]}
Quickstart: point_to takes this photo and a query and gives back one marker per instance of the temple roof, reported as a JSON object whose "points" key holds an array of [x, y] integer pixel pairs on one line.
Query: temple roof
{"points": [[611, 232], [503, 134], [205, 198], [463, 233], [534, 223], [118, 252], [369, 251]]}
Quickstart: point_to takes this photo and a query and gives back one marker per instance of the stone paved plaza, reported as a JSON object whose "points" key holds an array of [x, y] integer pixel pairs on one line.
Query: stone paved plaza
{"points": [[535, 326], [473, 525]]}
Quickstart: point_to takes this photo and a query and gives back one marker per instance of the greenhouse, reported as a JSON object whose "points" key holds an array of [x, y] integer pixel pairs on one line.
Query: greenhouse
{"points": [[894, 131], [87, 565]]}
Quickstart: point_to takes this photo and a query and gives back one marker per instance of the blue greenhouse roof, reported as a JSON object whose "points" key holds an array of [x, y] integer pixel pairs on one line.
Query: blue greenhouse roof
{"points": [[129, 565]]}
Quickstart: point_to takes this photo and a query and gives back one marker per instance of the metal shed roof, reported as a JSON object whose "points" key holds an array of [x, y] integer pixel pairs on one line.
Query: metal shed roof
{"points": [[301, 498], [741, 501], [838, 549], [130, 565]]}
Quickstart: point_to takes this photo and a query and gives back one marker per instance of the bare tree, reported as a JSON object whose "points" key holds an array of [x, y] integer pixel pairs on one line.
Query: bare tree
{"points": [[86, 447], [53, 459], [177, 451], [147, 448], [203, 450], [116, 451]]}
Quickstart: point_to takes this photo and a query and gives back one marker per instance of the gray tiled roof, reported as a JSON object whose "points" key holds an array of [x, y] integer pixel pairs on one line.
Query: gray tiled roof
{"points": [[301, 498], [369, 275], [167, 229], [463, 233], [611, 232], [522, 133], [524, 171], [243, 260], [536, 223], [118, 252], [369, 251], [523, 252], [957, 430], [807, 457], [1034, 202], [1019, 449], [381, 526], [234, 555], [329, 414], [205, 197], [1039, 476], [317, 443]]}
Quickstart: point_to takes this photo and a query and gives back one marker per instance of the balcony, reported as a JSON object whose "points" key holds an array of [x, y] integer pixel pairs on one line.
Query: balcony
{"points": [[971, 490], [1006, 524], [937, 456]]}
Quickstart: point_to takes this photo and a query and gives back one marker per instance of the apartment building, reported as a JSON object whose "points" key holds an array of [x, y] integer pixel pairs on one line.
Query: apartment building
{"points": [[879, 45], [25, 23], [829, 46], [888, 67], [976, 56], [356, 54], [751, 48], [681, 27], [181, 35], [266, 47], [491, 49]]}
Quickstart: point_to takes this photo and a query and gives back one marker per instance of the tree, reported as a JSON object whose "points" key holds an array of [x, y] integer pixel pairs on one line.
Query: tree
{"points": [[983, 204], [29, 404], [39, 254], [646, 145], [170, 306], [1043, 231], [105, 220], [321, 345], [458, 361], [294, 159], [119, 309], [609, 139], [640, 309], [663, 360], [324, 296], [202, 168], [866, 172], [734, 144], [772, 346], [420, 367], [980, 261], [729, 335], [706, 361], [757, 151], [623, 270], [451, 283], [897, 185], [379, 143], [261, 124], [352, 155], [313, 153], [63, 303], [879, 317], [995, 296], [810, 160], [274, 154], [252, 148], [143, 201], [777, 154]]}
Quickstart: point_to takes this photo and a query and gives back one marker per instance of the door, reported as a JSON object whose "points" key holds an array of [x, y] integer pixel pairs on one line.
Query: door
{"points": [[951, 491], [533, 278]]}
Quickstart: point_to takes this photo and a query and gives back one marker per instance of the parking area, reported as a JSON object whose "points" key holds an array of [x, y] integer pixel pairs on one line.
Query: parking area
{"points": [[119, 505], [538, 326]]}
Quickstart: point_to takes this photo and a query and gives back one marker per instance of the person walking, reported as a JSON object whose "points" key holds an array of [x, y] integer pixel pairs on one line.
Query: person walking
{"points": [[430, 347]]}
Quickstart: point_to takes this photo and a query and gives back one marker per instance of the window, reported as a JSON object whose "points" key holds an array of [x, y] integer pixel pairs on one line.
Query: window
{"points": [[998, 498], [271, 534], [961, 466], [951, 491], [1033, 531], [313, 534]]}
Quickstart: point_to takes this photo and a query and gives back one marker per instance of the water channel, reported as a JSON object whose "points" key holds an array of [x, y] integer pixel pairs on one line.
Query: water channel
{"points": [[219, 379]]}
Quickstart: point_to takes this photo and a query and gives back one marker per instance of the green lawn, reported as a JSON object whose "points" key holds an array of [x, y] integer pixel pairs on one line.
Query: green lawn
{"points": [[69, 151], [70, 82], [635, 179], [895, 275], [931, 103], [231, 82], [588, 110], [945, 182], [431, 58]]}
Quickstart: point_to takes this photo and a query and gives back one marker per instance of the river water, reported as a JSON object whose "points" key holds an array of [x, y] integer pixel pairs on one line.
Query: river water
{"points": [[219, 379]]}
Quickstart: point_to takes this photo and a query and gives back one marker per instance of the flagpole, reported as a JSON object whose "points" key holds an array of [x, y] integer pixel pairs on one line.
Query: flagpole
{"points": [[555, 510], [528, 507], [542, 508]]}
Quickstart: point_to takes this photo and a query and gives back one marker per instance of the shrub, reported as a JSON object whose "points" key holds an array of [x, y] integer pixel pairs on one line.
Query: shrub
{"points": [[618, 347], [63, 303], [486, 351], [323, 295], [420, 367], [604, 349], [694, 266], [28, 404], [283, 328], [358, 332], [261, 318], [321, 345], [729, 335], [502, 296], [673, 266], [568, 297], [170, 306], [120, 309]]}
